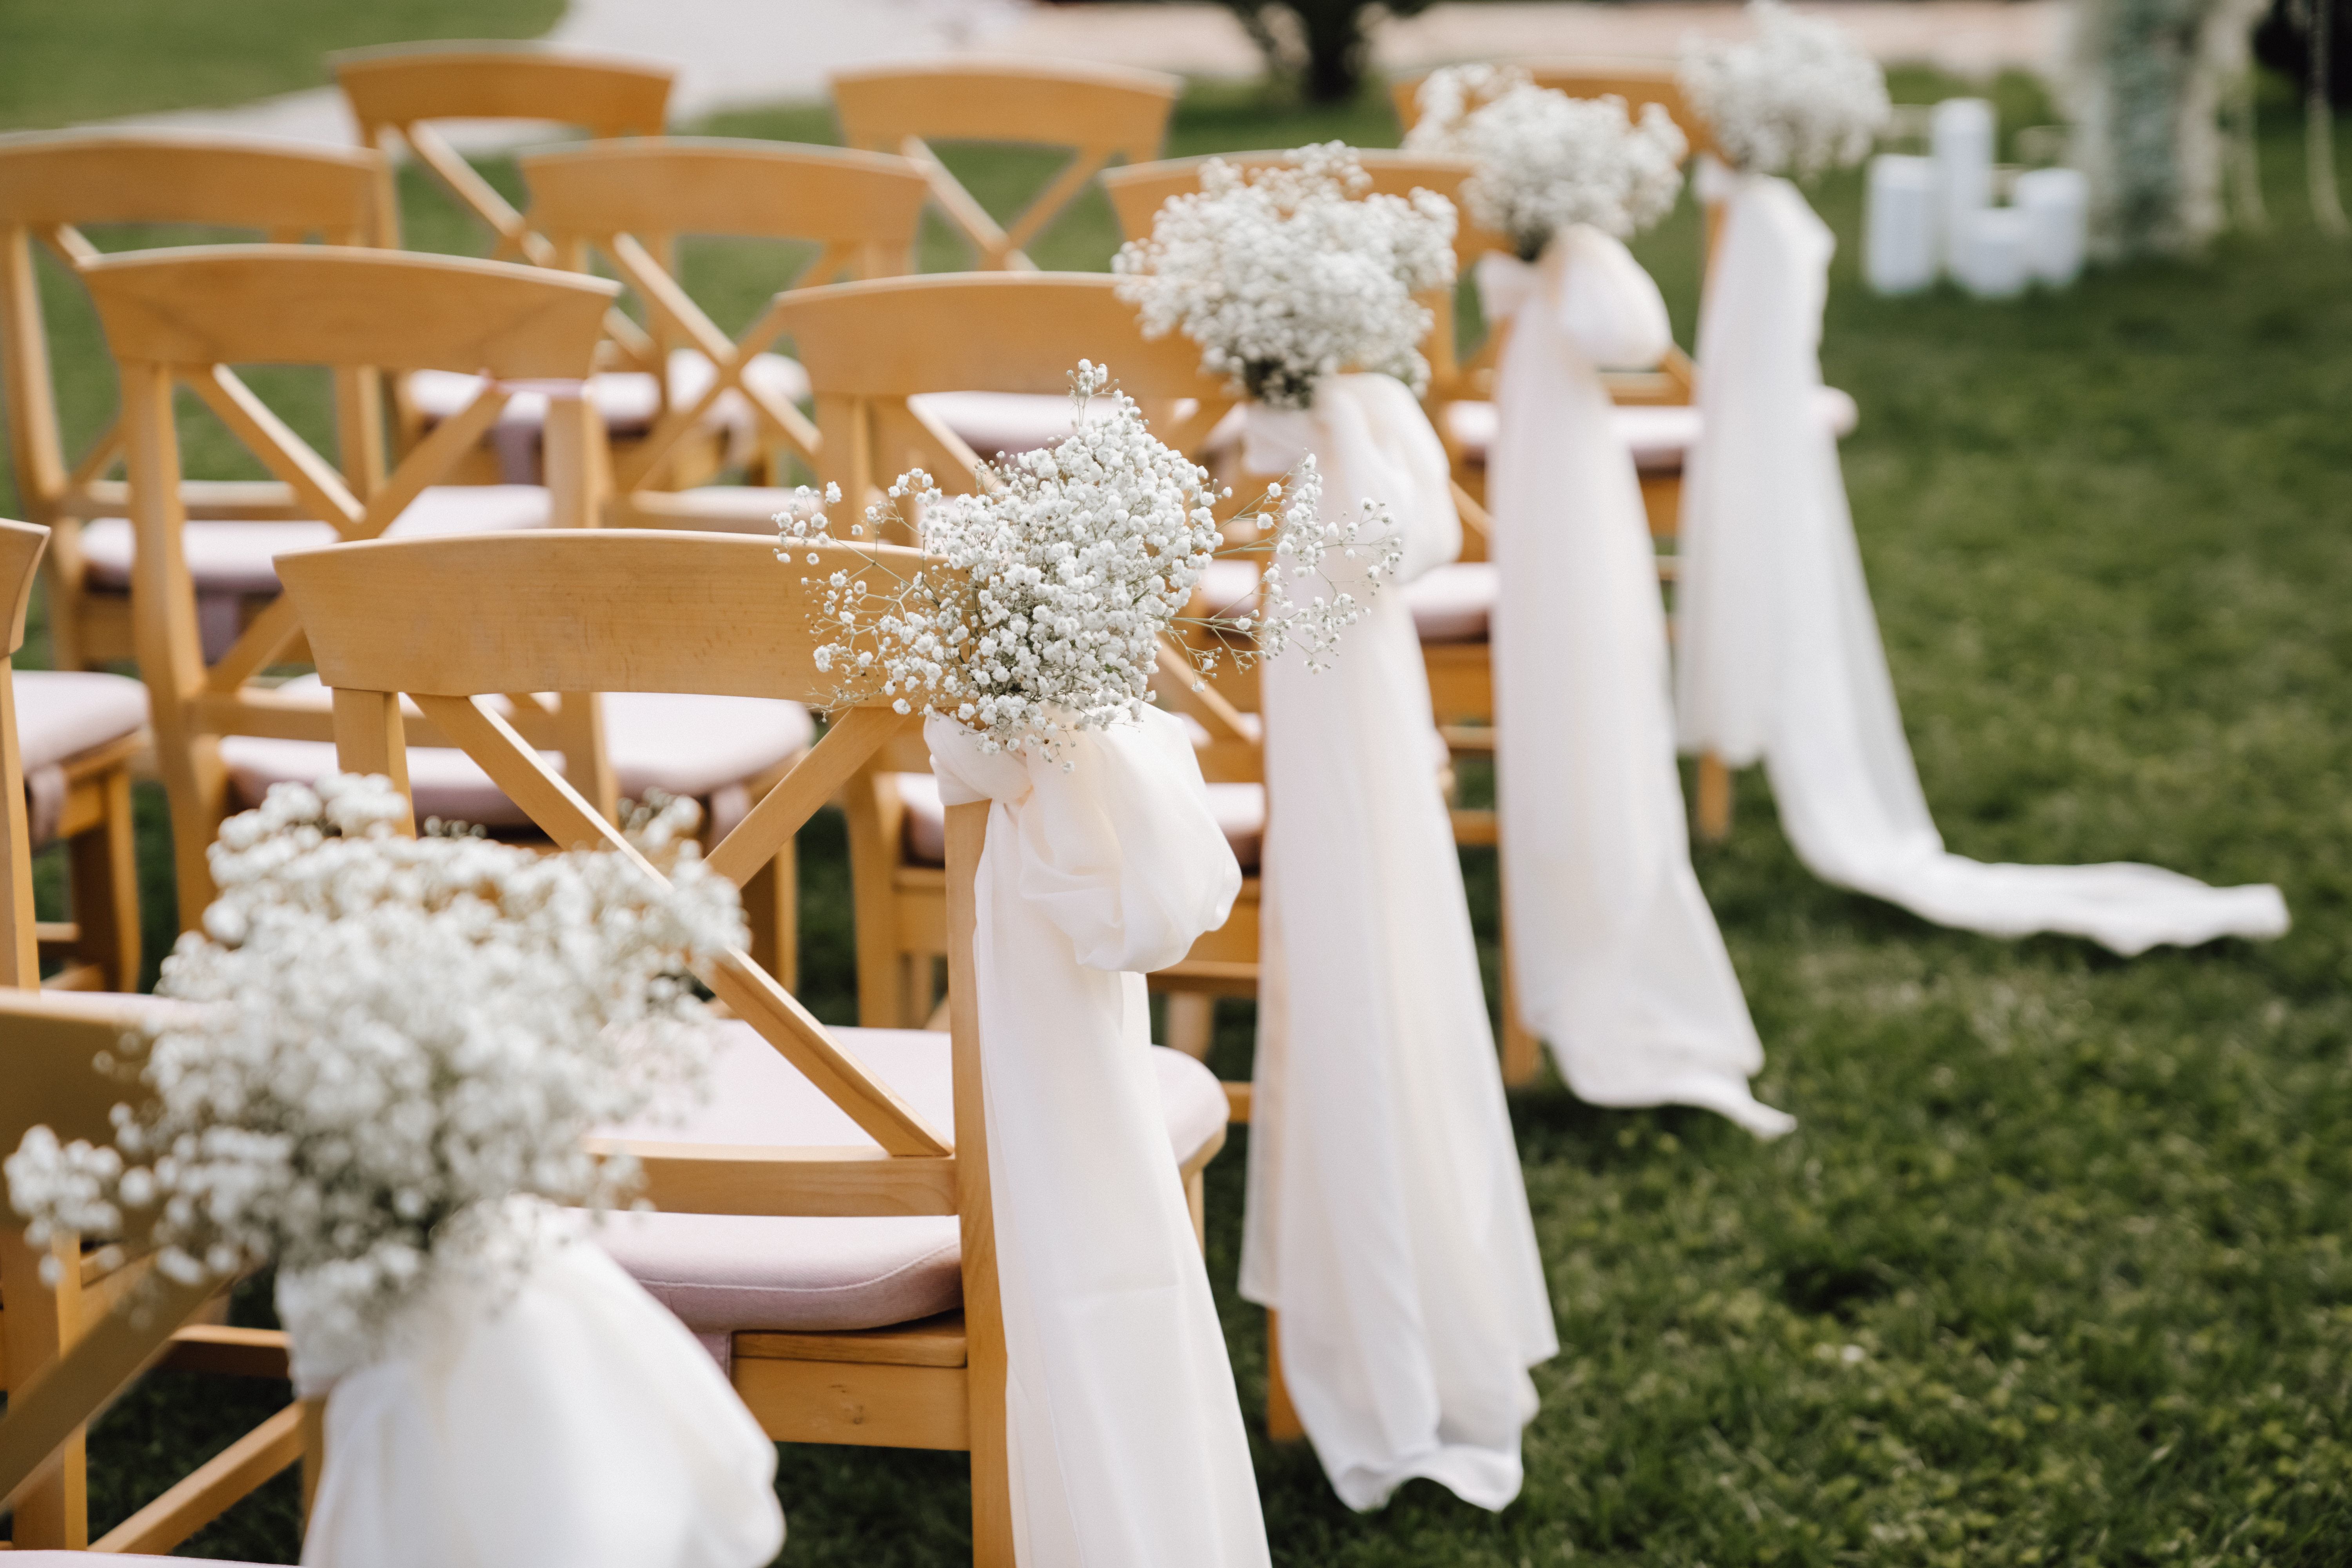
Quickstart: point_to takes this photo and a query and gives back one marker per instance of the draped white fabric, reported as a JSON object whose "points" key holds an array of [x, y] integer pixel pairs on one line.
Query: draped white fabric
{"points": [[1616, 959], [568, 1421], [1386, 1223], [1128, 1449], [1780, 653]]}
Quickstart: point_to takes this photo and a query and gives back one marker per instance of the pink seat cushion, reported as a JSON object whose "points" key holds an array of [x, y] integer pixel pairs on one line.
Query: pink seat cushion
{"points": [[237, 557], [686, 745], [1239, 808], [1452, 603], [63, 713], [1660, 435], [726, 1273], [993, 421], [628, 399]]}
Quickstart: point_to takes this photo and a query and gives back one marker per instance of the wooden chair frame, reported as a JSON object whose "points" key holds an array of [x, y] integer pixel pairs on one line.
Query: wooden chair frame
{"points": [[182, 319], [446, 622], [868, 349], [51, 187], [630, 201], [1103, 113], [46, 1050]]}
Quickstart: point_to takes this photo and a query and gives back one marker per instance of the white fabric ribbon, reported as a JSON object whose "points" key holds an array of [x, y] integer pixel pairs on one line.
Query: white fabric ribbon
{"points": [[1779, 652], [1128, 1449], [1617, 962], [564, 1421], [1386, 1223]]}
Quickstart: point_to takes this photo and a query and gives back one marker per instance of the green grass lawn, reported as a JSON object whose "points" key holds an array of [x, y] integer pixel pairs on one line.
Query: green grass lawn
{"points": [[65, 61], [2055, 1269]]}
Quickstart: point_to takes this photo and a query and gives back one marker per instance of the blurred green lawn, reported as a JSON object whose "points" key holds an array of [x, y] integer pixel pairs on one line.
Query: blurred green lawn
{"points": [[2055, 1269]]}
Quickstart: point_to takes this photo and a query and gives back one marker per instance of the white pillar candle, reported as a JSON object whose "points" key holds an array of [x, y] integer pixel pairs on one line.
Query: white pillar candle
{"points": [[1899, 243], [1989, 253], [2057, 205], [1960, 133]]}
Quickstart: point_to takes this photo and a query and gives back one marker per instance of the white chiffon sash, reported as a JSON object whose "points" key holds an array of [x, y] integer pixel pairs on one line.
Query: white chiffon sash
{"points": [[1386, 1223], [566, 1421], [1780, 654], [1128, 1449], [1616, 960]]}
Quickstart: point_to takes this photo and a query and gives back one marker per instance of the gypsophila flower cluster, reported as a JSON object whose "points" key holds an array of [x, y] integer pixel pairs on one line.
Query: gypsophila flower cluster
{"points": [[392, 1041], [1799, 96], [1063, 573], [1287, 274], [1546, 160]]}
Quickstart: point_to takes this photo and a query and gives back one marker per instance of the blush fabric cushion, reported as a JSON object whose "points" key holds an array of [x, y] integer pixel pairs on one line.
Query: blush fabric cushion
{"points": [[62, 713]]}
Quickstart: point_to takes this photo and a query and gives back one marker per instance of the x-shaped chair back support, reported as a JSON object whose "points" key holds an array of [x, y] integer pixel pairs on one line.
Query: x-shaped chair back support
{"points": [[631, 200], [20, 965], [51, 187], [180, 319], [1101, 113], [870, 347]]}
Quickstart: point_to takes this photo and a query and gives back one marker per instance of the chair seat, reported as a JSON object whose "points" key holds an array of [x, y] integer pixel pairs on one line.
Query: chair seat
{"points": [[1239, 808], [993, 421], [725, 1273], [629, 399], [238, 557], [705, 747], [1449, 603], [1660, 435], [62, 713]]}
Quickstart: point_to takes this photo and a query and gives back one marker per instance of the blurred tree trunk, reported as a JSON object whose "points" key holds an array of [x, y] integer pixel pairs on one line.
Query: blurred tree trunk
{"points": [[1322, 45]]}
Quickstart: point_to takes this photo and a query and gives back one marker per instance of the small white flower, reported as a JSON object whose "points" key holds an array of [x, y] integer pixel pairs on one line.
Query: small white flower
{"points": [[1799, 96]]}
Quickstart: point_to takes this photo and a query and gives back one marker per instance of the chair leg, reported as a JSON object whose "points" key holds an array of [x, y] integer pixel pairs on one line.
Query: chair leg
{"points": [[104, 865], [771, 905], [1191, 1023], [1282, 1422], [1713, 799], [197, 786], [40, 1324], [314, 1452]]}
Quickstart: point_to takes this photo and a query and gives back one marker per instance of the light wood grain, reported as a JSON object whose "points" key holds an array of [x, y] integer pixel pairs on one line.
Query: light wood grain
{"points": [[714, 1178]]}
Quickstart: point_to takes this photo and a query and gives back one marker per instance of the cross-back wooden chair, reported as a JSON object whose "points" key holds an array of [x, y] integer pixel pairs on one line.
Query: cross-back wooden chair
{"points": [[1103, 113], [878, 1127], [876, 353], [47, 1047], [52, 186], [184, 319], [630, 201]]}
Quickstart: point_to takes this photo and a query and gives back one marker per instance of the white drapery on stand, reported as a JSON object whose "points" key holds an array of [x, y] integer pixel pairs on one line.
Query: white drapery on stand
{"points": [[1616, 960], [1128, 1449], [562, 1420], [1386, 1223], [1779, 655]]}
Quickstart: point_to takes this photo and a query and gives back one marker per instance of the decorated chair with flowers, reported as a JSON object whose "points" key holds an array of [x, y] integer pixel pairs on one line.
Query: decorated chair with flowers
{"points": [[630, 202], [1102, 114], [227, 724], [889, 362], [48, 1045], [833, 1224]]}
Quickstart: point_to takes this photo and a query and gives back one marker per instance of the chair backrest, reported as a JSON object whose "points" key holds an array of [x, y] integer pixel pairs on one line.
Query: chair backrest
{"points": [[51, 187], [631, 200], [870, 347], [398, 92], [1637, 81], [182, 319], [20, 553], [1101, 113]]}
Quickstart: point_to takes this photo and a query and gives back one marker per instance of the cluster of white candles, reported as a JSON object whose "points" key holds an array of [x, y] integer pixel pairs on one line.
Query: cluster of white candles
{"points": [[1935, 215]]}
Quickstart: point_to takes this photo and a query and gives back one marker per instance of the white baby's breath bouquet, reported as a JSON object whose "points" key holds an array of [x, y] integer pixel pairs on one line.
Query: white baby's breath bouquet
{"points": [[1799, 96], [1289, 273], [1546, 160], [395, 1046], [1064, 571]]}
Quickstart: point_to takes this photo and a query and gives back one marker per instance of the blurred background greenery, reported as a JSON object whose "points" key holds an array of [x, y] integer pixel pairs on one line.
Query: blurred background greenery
{"points": [[2056, 1268]]}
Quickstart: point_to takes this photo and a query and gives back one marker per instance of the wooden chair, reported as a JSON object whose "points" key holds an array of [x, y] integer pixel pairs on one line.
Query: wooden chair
{"points": [[450, 624], [1101, 113], [398, 97], [48, 1044], [51, 188], [630, 201], [182, 319], [878, 355]]}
